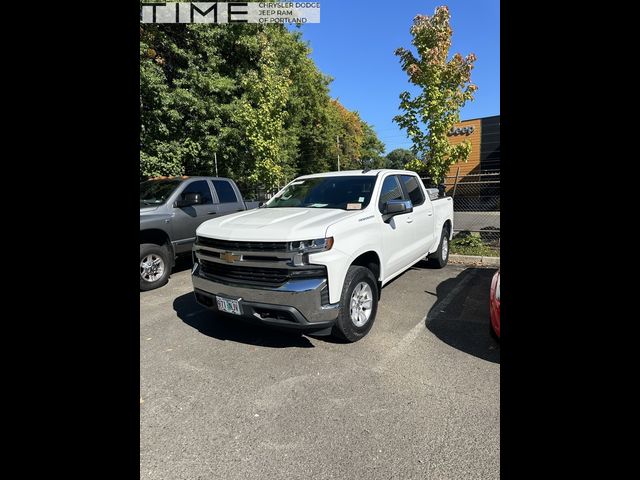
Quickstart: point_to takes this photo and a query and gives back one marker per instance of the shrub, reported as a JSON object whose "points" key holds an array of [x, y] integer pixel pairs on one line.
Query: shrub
{"points": [[467, 239], [471, 243]]}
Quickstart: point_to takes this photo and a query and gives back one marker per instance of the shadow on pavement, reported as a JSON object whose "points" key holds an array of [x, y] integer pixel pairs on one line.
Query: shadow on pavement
{"points": [[460, 318], [232, 329]]}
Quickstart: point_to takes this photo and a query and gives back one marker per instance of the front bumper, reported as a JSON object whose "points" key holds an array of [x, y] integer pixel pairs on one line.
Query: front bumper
{"points": [[297, 304]]}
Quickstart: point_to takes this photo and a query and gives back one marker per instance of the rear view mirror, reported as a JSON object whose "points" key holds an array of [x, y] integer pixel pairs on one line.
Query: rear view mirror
{"points": [[397, 207], [189, 199]]}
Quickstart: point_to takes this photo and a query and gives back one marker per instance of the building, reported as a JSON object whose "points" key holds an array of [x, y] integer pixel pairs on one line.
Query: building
{"points": [[484, 135], [475, 184]]}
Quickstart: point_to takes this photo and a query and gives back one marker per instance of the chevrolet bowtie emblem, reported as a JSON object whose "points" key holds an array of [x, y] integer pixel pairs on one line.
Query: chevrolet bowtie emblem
{"points": [[230, 257]]}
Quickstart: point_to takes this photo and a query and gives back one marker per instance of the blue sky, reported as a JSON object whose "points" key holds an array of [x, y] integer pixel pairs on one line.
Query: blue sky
{"points": [[355, 40]]}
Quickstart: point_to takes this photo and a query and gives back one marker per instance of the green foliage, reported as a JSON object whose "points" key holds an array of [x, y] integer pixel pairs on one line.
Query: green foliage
{"points": [[399, 158], [372, 149], [249, 93], [417, 166], [262, 116], [346, 126], [445, 88], [471, 243], [467, 239], [482, 250]]}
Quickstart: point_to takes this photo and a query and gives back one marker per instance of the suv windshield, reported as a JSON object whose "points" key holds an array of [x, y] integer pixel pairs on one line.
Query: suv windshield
{"points": [[346, 193], [156, 192]]}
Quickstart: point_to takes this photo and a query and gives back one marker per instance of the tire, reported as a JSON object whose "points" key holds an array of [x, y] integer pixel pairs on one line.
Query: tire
{"points": [[492, 332], [159, 275], [440, 257], [365, 284]]}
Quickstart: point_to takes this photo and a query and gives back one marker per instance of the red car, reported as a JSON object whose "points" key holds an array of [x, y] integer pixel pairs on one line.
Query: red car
{"points": [[494, 304]]}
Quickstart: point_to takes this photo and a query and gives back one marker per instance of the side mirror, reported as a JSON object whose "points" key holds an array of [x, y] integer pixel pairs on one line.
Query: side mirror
{"points": [[188, 200], [261, 204], [397, 207]]}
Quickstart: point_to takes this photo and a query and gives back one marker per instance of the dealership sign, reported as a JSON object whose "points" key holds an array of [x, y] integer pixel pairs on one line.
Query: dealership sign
{"points": [[230, 12], [461, 131]]}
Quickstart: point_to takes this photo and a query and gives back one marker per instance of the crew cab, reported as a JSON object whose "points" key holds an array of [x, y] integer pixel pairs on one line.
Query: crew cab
{"points": [[171, 208], [316, 256]]}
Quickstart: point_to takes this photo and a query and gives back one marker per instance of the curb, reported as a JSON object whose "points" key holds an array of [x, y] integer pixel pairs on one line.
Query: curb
{"points": [[475, 260]]}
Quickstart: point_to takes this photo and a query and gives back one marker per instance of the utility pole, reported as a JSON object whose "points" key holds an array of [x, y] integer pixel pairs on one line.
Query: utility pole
{"points": [[215, 155], [338, 142]]}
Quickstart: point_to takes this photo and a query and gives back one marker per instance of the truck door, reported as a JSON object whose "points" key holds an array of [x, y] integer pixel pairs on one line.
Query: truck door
{"points": [[422, 227], [229, 200], [187, 219], [397, 233]]}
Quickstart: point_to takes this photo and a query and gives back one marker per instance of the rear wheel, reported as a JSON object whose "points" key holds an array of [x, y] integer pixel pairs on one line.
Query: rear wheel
{"points": [[440, 257], [154, 266], [358, 304]]}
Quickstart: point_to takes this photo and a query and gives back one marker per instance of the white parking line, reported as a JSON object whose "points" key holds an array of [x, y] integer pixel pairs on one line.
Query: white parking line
{"points": [[413, 334]]}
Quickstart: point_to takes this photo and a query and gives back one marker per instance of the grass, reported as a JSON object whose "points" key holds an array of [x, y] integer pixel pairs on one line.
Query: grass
{"points": [[471, 243], [481, 250]]}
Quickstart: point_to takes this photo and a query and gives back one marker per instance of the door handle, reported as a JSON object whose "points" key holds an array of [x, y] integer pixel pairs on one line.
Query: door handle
{"points": [[430, 212], [211, 213], [409, 220]]}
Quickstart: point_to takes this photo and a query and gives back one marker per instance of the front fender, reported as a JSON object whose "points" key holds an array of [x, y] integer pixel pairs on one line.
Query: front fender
{"points": [[338, 262], [155, 220]]}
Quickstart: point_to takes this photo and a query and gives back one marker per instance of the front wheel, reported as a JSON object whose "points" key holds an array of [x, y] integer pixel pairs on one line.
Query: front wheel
{"points": [[358, 304], [154, 266], [440, 257]]}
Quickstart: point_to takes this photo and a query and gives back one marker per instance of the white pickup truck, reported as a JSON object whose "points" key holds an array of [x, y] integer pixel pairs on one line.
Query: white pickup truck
{"points": [[316, 256]]}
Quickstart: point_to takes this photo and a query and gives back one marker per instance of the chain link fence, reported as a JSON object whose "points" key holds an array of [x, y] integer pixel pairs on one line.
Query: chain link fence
{"points": [[476, 207]]}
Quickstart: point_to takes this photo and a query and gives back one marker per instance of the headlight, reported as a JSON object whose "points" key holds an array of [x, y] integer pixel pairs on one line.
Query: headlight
{"points": [[311, 246], [498, 289]]}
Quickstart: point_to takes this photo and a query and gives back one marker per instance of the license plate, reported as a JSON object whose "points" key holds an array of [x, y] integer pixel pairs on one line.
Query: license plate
{"points": [[228, 305]]}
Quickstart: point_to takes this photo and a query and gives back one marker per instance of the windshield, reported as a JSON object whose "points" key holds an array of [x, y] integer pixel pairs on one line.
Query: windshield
{"points": [[156, 192], [346, 193]]}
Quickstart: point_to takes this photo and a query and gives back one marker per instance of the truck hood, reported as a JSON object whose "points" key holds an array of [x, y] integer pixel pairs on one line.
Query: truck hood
{"points": [[153, 214], [147, 210], [274, 224]]}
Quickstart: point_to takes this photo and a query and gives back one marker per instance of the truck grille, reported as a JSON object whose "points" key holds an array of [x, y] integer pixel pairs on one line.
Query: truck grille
{"points": [[269, 277], [242, 246]]}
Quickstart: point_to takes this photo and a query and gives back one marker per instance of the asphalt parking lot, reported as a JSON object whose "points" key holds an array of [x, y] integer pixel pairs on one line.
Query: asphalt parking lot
{"points": [[419, 397]]}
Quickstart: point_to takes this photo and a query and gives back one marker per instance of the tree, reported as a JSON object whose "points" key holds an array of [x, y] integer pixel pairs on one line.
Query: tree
{"points": [[445, 88], [248, 93], [398, 158], [347, 126], [262, 116], [372, 148]]}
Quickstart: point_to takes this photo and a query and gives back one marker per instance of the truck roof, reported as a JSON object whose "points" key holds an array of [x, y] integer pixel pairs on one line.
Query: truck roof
{"points": [[345, 173]]}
